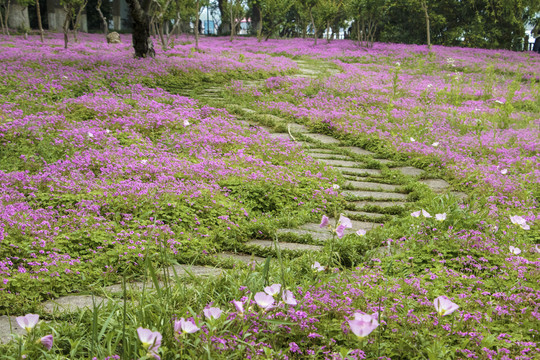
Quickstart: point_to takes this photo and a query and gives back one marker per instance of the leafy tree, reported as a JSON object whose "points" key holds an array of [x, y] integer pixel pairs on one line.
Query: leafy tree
{"points": [[272, 13], [367, 15]]}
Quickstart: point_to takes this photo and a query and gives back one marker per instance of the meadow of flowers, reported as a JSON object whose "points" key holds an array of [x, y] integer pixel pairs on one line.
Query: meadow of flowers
{"points": [[106, 173]]}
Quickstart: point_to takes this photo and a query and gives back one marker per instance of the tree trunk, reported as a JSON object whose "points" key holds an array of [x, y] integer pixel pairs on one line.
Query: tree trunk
{"points": [[328, 32], [103, 18], [313, 24], [40, 27], [424, 6], [161, 35], [197, 17], [142, 43], [233, 22], [66, 27], [259, 30], [6, 18]]}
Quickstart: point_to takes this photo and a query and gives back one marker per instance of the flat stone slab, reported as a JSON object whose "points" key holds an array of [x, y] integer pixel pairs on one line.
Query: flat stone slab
{"points": [[5, 331], [285, 245], [371, 185], [357, 171], [319, 150], [297, 128], [359, 151], [249, 111], [318, 155], [315, 235], [409, 170], [358, 225], [383, 204], [325, 139], [133, 286], [340, 163], [72, 303], [459, 194], [195, 270], [437, 185], [283, 136], [378, 195], [363, 213], [246, 259]]}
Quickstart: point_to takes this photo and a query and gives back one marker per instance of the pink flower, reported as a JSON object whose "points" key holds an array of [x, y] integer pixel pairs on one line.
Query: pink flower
{"points": [[186, 327], [212, 313], [150, 340], [265, 301], [273, 289], [340, 231], [324, 221], [416, 214], [345, 221], [444, 306], [239, 307], [288, 298], [317, 267], [363, 325], [514, 250], [440, 217], [425, 214], [28, 321], [518, 220], [47, 341]]}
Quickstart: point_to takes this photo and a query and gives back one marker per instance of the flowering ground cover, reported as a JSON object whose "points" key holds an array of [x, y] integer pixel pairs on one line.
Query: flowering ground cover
{"points": [[107, 172]]}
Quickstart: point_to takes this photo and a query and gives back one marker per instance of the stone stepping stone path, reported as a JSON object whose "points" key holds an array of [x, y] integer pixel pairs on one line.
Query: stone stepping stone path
{"points": [[364, 185], [267, 244], [381, 195], [6, 330], [72, 303], [239, 257]]}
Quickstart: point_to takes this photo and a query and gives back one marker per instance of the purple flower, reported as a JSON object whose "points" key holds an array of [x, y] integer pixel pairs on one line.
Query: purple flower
{"points": [[47, 341], [444, 306], [212, 313], [324, 222], [265, 301], [363, 325], [273, 289], [186, 327], [28, 321]]}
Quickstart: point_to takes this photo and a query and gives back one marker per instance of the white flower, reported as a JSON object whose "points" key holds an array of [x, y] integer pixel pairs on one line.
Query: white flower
{"points": [[144, 162], [518, 220], [412, 139], [416, 214], [435, 144], [361, 232], [186, 123], [514, 250], [440, 217], [504, 171], [397, 63], [317, 267], [107, 131], [335, 187], [90, 135], [499, 102], [425, 214]]}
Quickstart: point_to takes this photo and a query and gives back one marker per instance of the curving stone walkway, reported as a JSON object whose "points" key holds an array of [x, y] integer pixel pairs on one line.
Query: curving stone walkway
{"points": [[363, 191]]}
